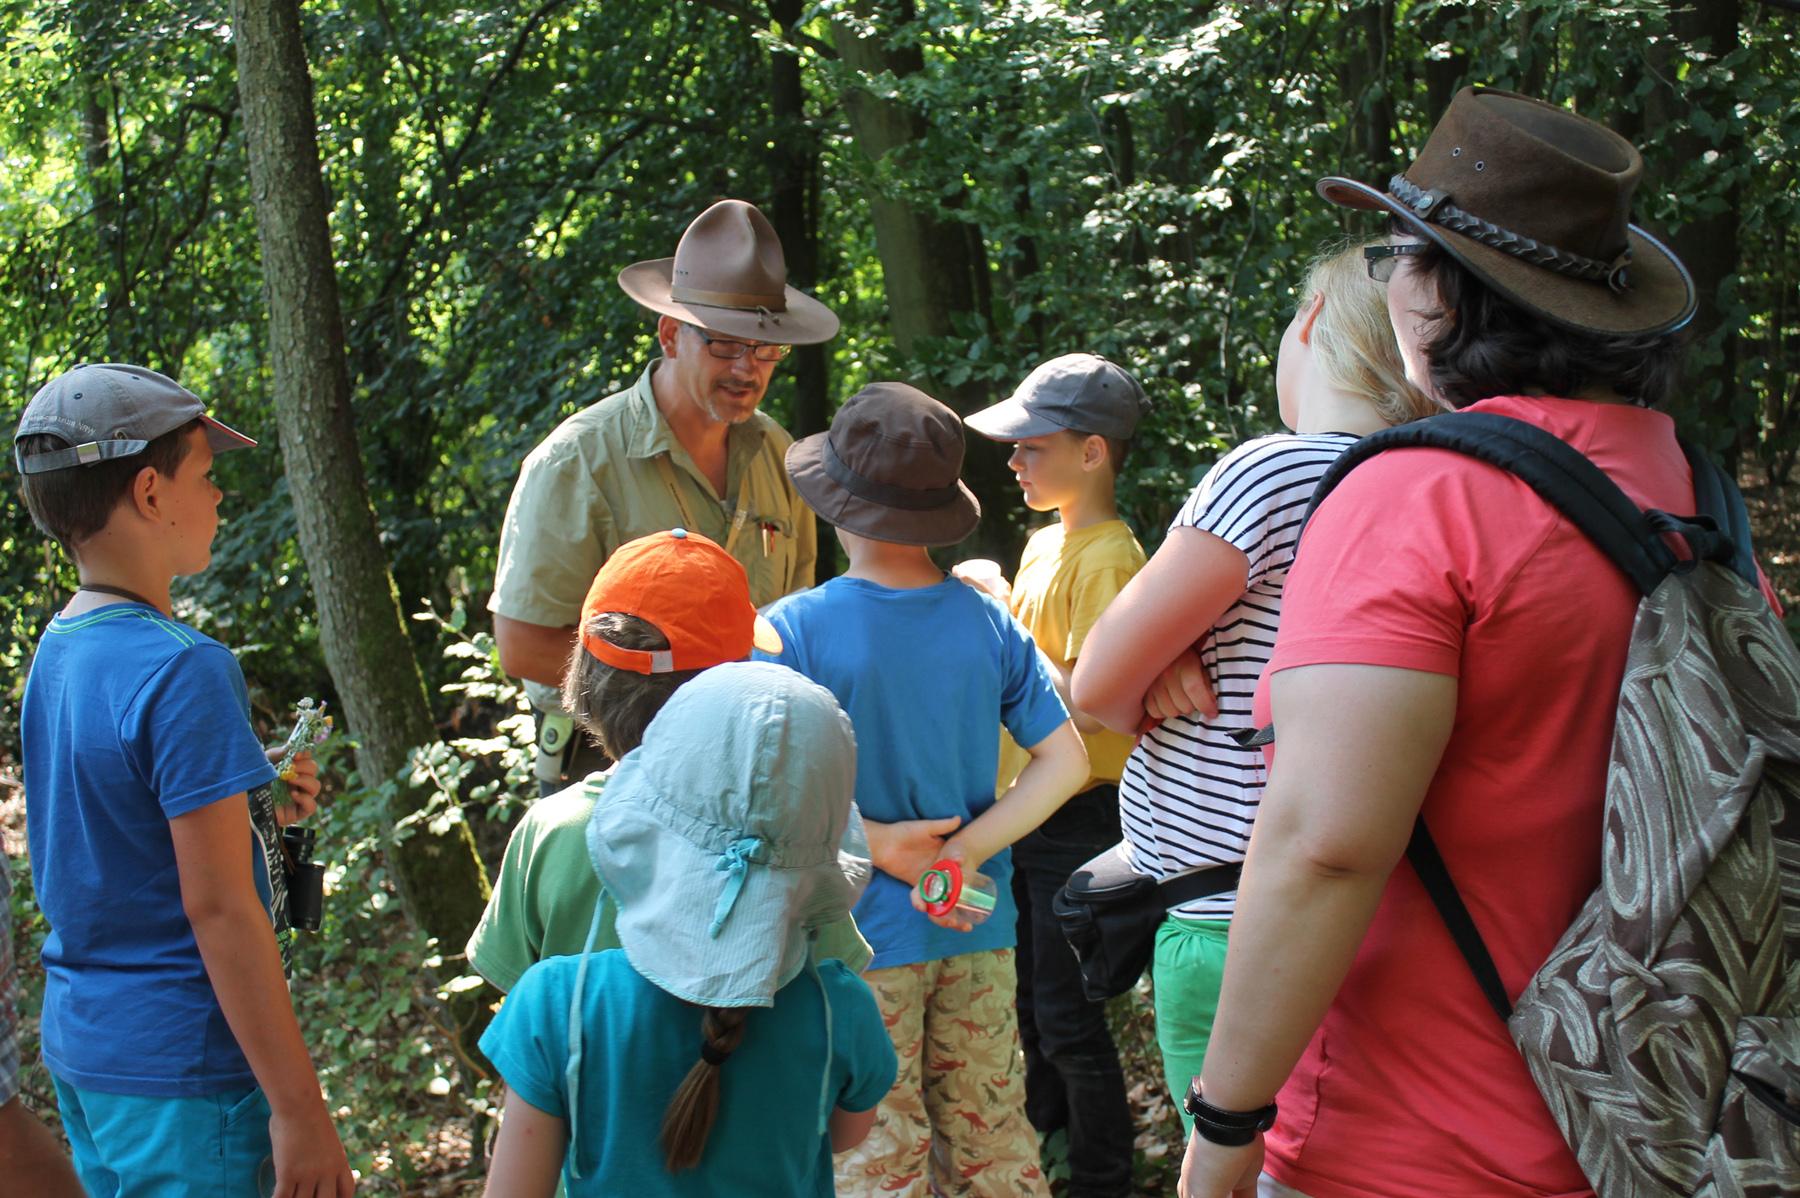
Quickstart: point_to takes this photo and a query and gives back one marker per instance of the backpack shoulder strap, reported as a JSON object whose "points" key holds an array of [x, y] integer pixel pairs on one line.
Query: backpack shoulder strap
{"points": [[1716, 496], [1560, 474], [1564, 478]]}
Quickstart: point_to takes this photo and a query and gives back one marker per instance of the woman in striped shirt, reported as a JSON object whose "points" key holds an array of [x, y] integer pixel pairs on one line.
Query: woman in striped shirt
{"points": [[1182, 646]]}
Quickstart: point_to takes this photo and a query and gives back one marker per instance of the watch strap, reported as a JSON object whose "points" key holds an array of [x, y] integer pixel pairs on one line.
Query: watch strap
{"points": [[1230, 1129]]}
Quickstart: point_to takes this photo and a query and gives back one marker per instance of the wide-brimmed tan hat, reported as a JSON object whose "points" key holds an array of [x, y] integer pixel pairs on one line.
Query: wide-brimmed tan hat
{"points": [[888, 469], [1537, 202], [729, 276]]}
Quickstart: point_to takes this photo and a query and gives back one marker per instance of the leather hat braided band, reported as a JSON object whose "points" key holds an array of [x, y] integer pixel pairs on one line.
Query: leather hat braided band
{"points": [[1435, 206]]}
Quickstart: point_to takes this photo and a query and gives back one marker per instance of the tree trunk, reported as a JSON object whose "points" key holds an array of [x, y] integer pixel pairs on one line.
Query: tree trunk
{"points": [[929, 261], [109, 232], [441, 880], [924, 256], [1444, 75], [794, 211], [1368, 95], [1706, 245]]}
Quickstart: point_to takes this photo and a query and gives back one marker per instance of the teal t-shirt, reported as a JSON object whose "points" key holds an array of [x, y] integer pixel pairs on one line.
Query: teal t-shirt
{"points": [[639, 1042], [927, 676]]}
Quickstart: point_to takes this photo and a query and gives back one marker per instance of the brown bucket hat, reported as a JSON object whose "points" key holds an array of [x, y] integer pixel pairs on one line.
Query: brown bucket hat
{"points": [[1537, 202], [729, 276], [888, 468]]}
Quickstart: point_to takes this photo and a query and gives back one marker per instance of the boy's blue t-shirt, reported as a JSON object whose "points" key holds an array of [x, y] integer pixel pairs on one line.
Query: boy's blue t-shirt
{"points": [[131, 719], [639, 1043], [927, 677]]}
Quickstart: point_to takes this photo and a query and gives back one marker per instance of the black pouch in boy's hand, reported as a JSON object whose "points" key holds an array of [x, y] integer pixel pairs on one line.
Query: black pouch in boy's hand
{"points": [[1109, 913]]}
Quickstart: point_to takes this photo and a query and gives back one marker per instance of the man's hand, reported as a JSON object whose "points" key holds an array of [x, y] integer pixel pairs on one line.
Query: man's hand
{"points": [[302, 788], [309, 1159], [907, 849], [1211, 1170], [1181, 688]]}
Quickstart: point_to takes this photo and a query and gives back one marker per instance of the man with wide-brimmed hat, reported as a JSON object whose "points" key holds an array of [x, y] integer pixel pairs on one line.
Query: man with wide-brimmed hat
{"points": [[682, 447]]}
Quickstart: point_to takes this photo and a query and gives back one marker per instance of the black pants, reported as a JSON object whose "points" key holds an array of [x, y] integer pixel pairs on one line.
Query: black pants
{"points": [[1072, 1074]]}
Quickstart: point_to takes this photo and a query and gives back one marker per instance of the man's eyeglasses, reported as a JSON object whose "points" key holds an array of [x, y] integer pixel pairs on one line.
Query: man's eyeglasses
{"points": [[731, 351], [1382, 259]]}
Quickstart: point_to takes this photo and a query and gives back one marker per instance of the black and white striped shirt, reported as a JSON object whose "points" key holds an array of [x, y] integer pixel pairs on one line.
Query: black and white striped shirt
{"points": [[1189, 794]]}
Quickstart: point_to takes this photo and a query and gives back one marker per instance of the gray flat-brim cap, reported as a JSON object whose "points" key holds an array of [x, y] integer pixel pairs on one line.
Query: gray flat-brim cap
{"points": [[1082, 393]]}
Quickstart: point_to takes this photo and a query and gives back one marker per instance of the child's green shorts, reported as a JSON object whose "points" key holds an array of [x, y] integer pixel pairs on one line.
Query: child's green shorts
{"points": [[1187, 969]]}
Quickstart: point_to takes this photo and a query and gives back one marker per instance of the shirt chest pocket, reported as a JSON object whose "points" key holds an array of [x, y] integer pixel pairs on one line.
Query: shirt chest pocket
{"points": [[767, 547]]}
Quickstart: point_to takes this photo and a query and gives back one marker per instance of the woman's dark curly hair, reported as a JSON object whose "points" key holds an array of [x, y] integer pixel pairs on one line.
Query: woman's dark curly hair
{"points": [[1484, 345]]}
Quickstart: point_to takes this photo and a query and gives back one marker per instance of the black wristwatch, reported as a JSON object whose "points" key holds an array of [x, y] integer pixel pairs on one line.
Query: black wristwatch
{"points": [[1230, 1129]]}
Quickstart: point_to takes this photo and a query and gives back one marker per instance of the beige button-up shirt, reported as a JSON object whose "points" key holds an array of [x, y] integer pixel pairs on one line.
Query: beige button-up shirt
{"points": [[594, 484]]}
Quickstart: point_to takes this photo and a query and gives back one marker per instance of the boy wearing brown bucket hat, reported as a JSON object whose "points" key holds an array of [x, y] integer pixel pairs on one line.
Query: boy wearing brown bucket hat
{"points": [[929, 670], [1452, 648], [682, 447]]}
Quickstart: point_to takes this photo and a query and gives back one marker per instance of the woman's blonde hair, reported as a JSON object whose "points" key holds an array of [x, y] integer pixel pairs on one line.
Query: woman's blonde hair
{"points": [[1352, 339]]}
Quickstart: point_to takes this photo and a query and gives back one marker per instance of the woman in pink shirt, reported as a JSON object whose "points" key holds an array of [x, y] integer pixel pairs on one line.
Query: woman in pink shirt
{"points": [[1449, 645]]}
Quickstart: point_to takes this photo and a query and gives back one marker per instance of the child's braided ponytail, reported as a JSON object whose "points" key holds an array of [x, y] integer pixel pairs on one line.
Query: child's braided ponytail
{"points": [[689, 1119]]}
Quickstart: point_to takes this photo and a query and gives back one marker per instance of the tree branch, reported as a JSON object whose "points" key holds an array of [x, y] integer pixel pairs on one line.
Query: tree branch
{"points": [[798, 37], [479, 116]]}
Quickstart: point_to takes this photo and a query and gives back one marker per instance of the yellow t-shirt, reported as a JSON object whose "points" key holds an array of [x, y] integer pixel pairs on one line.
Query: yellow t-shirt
{"points": [[1064, 582]]}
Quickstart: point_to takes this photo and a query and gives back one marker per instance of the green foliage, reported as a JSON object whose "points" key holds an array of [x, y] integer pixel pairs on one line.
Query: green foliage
{"points": [[1137, 179], [378, 1001], [493, 772], [1133, 178]]}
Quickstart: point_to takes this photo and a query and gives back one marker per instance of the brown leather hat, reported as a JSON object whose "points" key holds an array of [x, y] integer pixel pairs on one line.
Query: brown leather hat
{"points": [[1536, 201], [888, 469], [729, 276]]}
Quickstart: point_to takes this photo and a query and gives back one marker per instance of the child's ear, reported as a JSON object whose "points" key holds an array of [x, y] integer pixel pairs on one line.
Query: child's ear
{"points": [[145, 495], [1310, 314], [1093, 452]]}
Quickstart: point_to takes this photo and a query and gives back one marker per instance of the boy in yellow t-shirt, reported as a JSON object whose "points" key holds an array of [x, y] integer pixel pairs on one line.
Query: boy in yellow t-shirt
{"points": [[1071, 422]]}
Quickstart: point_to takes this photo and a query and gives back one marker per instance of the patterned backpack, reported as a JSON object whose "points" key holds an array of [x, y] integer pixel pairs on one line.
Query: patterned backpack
{"points": [[1664, 1030]]}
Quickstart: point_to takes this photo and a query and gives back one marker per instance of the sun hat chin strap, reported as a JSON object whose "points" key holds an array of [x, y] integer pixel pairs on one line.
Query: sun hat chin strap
{"points": [[572, 1071], [812, 967], [737, 858]]}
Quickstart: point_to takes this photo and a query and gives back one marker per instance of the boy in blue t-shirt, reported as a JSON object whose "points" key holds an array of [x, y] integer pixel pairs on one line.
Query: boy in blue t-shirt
{"points": [[167, 1025], [928, 670]]}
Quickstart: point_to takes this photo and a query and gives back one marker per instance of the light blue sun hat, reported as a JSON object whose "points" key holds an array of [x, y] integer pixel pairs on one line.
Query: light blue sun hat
{"points": [[727, 839], [722, 837]]}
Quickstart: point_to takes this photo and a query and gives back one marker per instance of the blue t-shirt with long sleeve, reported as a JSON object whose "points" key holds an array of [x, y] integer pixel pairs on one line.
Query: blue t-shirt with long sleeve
{"points": [[638, 1043], [927, 676], [129, 720]]}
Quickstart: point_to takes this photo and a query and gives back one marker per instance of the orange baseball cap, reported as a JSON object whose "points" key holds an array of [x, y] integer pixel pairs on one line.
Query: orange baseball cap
{"points": [[695, 594]]}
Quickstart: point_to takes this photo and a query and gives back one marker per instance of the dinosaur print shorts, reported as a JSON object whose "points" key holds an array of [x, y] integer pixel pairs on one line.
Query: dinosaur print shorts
{"points": [[954, 1124]]}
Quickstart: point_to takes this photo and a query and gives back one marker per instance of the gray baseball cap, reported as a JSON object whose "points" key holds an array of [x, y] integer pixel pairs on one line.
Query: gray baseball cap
{"points": [[110, 410], [1081, 393]]}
